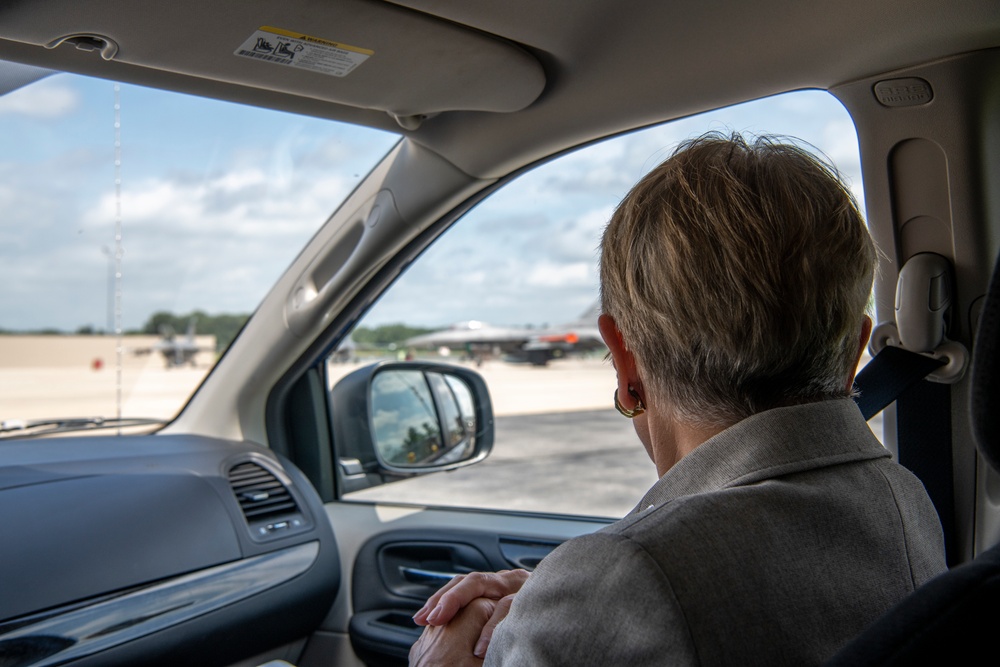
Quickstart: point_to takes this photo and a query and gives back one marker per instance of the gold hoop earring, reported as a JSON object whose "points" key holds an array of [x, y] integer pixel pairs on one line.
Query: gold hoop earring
{"points": [[634, 412]]}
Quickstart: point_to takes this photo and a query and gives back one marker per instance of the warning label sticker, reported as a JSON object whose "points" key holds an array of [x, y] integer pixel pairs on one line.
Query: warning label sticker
{"points": [[293, 49]]}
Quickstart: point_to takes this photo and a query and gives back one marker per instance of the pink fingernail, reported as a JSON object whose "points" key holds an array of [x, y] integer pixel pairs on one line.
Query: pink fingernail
{"points": [[480, 650], [433, 616]]}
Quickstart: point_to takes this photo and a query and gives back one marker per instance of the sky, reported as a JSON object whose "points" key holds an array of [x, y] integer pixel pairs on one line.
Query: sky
{"points": [[218, 199]]}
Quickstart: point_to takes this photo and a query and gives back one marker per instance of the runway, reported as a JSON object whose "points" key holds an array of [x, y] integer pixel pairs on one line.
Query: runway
{"points": [[588, 463]]}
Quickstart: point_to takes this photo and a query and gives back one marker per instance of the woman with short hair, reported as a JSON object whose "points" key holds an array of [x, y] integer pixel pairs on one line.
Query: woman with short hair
{"points": [[734, 281]]}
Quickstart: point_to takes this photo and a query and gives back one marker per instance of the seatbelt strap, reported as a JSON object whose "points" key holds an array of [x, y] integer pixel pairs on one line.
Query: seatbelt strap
{"points": [[888, 375], [923, 423], [923, 437]]}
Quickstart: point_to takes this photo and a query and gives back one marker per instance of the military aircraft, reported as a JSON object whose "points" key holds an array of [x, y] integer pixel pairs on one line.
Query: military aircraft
{"points": [[478, 340], [177, 351], [346, 352]]}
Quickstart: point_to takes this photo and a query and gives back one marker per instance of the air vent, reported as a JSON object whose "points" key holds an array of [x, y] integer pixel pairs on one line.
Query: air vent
{"points": [[262, 497]]}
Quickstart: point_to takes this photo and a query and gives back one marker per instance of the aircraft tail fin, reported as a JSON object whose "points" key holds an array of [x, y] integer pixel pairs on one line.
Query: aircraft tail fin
{"points": [[589, 316]]}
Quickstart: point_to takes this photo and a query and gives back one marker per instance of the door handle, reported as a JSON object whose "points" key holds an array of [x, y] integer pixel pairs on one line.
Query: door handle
{"points": [[417, 575]]}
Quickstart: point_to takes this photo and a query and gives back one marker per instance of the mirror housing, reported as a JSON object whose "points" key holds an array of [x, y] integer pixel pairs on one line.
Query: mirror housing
{"points": [[394, 420]]}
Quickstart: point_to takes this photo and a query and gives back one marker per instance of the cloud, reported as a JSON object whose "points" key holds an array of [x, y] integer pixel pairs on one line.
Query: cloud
{"points": [[576, 238], [242, 200], [215, 243], [387, 426], [547, 275], [47, 99]]}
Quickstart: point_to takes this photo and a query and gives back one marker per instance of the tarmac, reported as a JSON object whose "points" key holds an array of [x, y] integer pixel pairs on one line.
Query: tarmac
{"points": [[148, 389]]}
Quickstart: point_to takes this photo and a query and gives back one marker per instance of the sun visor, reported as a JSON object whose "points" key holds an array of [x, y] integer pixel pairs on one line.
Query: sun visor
{"points": [[361, 53]]}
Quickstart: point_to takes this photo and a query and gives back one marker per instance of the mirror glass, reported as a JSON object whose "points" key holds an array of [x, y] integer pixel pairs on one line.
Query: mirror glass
{"points": [[422, 419]]}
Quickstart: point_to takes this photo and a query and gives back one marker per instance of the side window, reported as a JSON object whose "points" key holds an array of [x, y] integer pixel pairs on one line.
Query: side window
{"points": [[512, 290]]}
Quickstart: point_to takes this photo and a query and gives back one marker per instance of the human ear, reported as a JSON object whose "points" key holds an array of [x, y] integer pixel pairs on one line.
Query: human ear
{"points": [[629, 382], [866, 332]]}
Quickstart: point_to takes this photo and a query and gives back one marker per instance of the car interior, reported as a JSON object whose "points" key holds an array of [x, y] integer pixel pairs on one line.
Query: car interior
{"points": [[224, 538]]}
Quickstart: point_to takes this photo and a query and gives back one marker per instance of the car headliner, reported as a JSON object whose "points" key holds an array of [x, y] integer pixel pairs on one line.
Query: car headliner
{"points": [[605, 67]]}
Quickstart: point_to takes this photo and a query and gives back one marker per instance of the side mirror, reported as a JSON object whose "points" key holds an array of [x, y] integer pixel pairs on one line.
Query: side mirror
{"points": [[396, 420]]}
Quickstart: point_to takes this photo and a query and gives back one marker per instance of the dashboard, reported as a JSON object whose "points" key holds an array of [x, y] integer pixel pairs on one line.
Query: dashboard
{"points": [[154, 549]]}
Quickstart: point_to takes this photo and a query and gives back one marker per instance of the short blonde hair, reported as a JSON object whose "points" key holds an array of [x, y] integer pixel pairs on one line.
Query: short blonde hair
{"points": [[738, 274]]}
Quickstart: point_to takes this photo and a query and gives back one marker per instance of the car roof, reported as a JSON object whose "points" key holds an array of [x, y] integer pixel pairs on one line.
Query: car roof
{"points": [[491, 87]]}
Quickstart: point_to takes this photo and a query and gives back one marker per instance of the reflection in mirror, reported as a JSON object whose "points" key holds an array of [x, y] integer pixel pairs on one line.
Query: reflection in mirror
{"points": [[459, 418], [405, 421], [422, 418]]}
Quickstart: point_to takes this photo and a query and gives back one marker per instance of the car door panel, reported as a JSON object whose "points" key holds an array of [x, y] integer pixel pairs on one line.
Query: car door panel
{"points": [[398, 555], [396, 571]]}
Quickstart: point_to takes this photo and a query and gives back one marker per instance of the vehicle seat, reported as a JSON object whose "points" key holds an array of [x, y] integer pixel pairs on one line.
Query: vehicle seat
{"points": [[951, 619]]}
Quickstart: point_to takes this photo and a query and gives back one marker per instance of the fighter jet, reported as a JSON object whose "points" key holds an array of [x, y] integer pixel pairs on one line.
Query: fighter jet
{"points": [[478, 340], [177, 351]]}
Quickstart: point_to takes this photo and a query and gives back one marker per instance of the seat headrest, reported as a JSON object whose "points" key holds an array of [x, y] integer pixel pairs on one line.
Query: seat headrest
{"points": [[985, 392]]}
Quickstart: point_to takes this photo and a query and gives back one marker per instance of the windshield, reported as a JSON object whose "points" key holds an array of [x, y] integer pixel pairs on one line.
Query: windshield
{"points": [[141, 230]]}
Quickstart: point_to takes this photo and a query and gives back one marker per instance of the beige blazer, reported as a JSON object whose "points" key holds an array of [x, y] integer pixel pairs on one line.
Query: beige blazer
{"points": [[772, 543]]}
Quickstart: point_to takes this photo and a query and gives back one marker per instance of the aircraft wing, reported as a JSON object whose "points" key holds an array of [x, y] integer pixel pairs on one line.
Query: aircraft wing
{"points": [[536, 346], [458, 336]]}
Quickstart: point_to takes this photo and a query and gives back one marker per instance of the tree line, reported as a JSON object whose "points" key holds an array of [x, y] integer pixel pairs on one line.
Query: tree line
{"points": [[386, 335], [225, 326]]}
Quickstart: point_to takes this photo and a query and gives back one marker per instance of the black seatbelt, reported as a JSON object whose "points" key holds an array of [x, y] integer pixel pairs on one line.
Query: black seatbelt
{"points": [[923, 426], [888, 375], [923, 423]]}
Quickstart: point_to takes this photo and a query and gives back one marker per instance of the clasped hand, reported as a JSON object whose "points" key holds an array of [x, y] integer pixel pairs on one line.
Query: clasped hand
{"points": [[462, 616]]}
